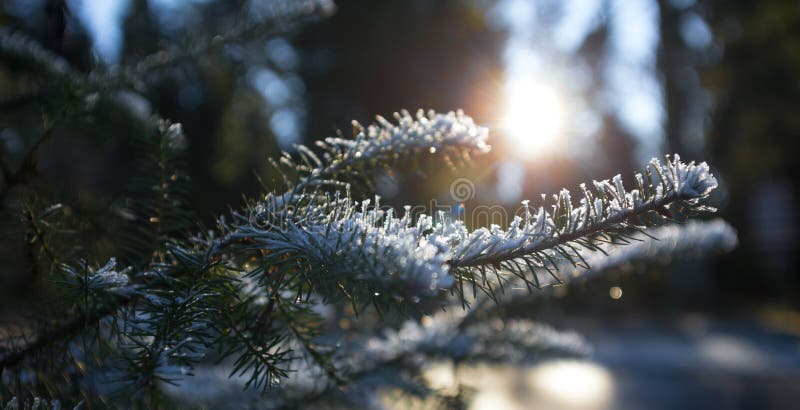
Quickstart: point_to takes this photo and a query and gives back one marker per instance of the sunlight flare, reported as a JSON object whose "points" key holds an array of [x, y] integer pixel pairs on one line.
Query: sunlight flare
{"points": [[534, 116]]}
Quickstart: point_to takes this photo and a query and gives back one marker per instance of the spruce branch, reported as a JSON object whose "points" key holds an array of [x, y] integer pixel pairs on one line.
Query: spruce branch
{"points": [[158, 209], [254, 337], [659, 245], [665, 243], [28, 165], [343, 247], [451, 135], [608, 213], [22, 53], [348, 244], [36, 403], [166, 333], [39, 236], [284, 15], [305, 326], [442, 336], [397, 357], [107, 285], [352, 246]]}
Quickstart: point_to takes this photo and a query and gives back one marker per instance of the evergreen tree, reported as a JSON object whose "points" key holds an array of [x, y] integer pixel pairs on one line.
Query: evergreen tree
{"points": [[307, 294]]}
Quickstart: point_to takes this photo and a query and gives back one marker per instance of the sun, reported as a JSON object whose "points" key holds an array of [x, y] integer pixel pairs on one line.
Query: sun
{"points": [[533, 117]]}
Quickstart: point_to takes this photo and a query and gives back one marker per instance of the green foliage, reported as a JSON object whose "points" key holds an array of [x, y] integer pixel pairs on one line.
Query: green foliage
{"points": [[158, 206]]}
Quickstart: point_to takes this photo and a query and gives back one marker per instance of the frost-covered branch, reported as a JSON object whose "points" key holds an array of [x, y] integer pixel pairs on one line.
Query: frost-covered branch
{"points": [[340, 244], [672, 187], [443, 336], [659, 245], [451, 135], [691, 239], [397, 358], [107, 284], [356, 245], [350, 247], [663, 244], [607, 213]]}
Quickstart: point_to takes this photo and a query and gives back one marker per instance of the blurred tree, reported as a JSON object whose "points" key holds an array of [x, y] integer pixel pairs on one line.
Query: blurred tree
{"points": [[754, 134]]}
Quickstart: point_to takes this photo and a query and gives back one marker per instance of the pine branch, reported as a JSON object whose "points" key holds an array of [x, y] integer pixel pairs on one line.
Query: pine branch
{"points": [[260, 353], [67, 86], [665, 243], [414, 347], [37, 403], [38, 236], [157, 210], [20, 52], [305, 325], [107, 283], [285, 15], [166, 333], [253, 336], [451, 135], [658, 245], [609, 213], [27, 168], [397, 357], [354, 248]]}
